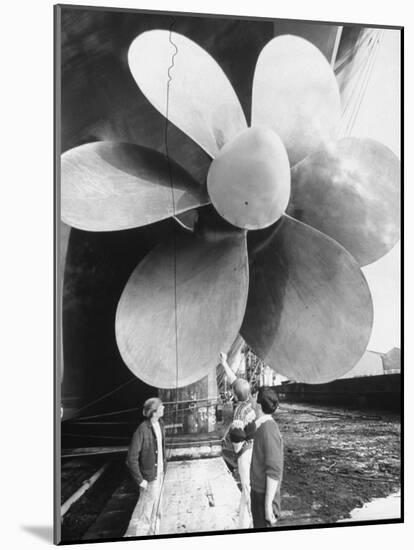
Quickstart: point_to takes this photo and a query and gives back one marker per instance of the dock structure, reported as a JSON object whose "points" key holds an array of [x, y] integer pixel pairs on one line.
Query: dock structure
{"points": [[198, 496]]}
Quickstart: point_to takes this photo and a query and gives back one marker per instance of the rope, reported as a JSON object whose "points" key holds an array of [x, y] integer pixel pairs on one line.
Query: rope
{"points": [[107, 414], [356, 69], [175, 231], [81, 419], [152, 527], [79, 436], [133, 379], [363, 66], [371, 62], [117, 423], [167, 110], [362, 69]]}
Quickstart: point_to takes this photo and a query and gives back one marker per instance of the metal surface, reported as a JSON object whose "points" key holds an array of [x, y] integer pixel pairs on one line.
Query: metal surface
{"points": [[108, 186], [296, 95], [64, 235], [181, 77], [351, 192], [171, 335], [249, 181], [309, 310]]}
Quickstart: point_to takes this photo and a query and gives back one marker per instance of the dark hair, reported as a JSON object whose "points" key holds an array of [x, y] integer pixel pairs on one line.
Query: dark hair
{"points": [[268, 399], [150, 406]]}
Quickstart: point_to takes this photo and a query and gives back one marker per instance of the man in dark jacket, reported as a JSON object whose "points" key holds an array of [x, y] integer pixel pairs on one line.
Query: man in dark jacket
{"points": [[266, 469], [146, 462]]}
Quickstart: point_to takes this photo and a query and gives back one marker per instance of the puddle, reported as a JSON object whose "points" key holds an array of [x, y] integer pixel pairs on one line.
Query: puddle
{"points": [[379, 508]]}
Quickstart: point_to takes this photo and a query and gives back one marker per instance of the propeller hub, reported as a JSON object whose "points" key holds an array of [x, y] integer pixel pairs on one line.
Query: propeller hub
{"points": [[249, 180]]}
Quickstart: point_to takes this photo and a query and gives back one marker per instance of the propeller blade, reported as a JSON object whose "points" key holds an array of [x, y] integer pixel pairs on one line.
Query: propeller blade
{"points": [[185, 84], [309, 310], [295, 93], [107, 186], [351, 192], [182, 305], [187, 220]]}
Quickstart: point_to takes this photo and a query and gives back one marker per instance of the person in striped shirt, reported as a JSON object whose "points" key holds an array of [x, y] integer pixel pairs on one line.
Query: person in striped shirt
{"points": [[241, 433]]}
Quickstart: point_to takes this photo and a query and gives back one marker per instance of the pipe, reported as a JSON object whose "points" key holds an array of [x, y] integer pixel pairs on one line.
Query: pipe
{"points": [[82, 490]]}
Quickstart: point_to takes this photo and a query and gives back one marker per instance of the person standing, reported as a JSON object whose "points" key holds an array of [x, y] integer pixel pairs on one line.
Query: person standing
{"points": [[266, 470], [241, 433], [146, 462]]}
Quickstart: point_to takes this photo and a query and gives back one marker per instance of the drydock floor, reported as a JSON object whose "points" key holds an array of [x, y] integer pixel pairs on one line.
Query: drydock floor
{"points": [[336, 460]]}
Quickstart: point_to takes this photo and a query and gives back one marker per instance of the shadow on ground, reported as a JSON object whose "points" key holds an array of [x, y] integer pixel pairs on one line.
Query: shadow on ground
{"points": [[43, 532]]}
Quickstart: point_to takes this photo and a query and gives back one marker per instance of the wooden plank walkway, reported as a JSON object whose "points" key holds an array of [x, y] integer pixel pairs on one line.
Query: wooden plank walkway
{"points": [[198, 495]]}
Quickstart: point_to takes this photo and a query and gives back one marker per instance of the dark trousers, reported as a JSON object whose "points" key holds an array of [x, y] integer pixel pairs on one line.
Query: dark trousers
{"points": [[257, 503]]}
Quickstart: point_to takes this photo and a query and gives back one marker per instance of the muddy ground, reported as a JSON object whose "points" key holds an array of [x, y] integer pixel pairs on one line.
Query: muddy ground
{"points": [[335, 460]]}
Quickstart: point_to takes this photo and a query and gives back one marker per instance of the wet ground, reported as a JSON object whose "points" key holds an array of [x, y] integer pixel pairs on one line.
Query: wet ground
{"points": [[336, 460], [380, 508]]}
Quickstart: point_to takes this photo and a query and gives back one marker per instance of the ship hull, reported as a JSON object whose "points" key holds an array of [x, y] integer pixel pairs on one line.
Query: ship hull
{"points": [[379, 392]]}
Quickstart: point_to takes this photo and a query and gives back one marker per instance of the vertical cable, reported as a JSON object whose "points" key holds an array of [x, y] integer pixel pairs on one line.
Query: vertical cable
{"points": [[169, 79], [173, 205]]}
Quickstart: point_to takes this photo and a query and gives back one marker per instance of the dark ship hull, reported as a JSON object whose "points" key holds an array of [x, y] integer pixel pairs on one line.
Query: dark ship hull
{"points": [[376, 384]]}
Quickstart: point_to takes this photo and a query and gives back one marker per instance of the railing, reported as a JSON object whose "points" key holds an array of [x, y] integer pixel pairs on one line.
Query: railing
{"points": [[194, 416]]}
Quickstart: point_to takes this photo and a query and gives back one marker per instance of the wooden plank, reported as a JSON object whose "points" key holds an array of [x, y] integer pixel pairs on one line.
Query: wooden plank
{"points": [[197, 496]]}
